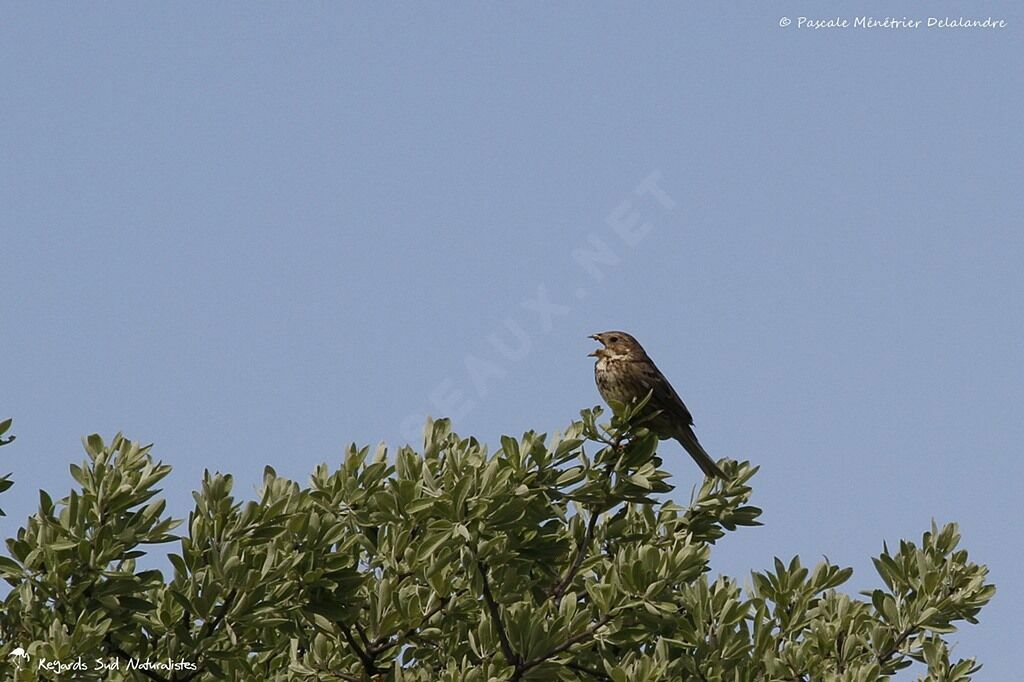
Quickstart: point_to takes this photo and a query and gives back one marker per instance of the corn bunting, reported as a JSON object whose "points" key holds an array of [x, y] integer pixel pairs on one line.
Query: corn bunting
{"points": [[625, 373]]}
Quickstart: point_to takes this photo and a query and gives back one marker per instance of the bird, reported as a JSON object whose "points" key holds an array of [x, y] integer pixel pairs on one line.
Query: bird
{"points": [[625, 373]]}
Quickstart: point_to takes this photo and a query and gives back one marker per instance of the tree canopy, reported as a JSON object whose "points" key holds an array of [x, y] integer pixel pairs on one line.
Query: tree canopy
{"points": [[560, 558]]}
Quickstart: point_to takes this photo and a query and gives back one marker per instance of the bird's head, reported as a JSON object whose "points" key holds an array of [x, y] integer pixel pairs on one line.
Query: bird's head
{"points": [[617, 345]]}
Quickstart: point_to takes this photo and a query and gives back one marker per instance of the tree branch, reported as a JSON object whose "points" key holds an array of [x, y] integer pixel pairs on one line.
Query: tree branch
{"points": [[492, 606], [884, 657], [362, 635], [209, 628], [385, 642], [126, 657], [368, 661], [331, 673], [569, 643], [570, 573], [596, 674]]}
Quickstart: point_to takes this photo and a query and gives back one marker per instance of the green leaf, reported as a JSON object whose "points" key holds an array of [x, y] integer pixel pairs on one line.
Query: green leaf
{"points": [[8, 567], [569, 477], [94, 444]]}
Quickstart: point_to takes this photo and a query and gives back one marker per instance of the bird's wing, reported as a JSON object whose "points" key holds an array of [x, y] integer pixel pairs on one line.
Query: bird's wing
{"points": [[664, 396]]}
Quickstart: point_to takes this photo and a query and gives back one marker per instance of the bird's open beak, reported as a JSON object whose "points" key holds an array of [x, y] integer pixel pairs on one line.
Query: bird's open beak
{"points": [[594, 354]]}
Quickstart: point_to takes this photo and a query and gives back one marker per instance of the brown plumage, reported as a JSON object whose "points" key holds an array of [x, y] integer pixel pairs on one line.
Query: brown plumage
{"points": [[625, 373]]}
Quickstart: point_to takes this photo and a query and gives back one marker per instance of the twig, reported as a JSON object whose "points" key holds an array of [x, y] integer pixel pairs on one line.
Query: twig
{"points": [[525, 666], [342, 676], [368, 661], [577, 561], [210, 627], [596, 674], [385, 642], [904, 636], [492, 606], [126, 657], [362, 635], [347, 677]]}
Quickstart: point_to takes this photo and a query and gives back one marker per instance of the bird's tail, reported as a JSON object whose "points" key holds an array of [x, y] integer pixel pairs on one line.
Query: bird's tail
{"points": [[688, 439]]}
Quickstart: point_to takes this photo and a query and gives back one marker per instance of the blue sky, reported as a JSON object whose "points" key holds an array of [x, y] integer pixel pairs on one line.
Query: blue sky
{"points": [[253, 233]]}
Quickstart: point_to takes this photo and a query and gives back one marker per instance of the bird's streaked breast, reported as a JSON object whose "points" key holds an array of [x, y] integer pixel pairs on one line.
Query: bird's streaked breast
{"points": [[612, 380]]}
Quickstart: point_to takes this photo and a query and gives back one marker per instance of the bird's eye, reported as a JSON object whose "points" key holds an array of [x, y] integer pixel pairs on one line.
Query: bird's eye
{"points": [[613, 339]]}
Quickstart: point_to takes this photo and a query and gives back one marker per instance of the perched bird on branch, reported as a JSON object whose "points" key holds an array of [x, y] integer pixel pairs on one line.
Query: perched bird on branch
{"points": [[625, 374]]}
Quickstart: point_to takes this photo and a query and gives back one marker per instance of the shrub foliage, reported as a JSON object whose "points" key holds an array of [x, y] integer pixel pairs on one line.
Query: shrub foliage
{"points": [[550, 559]]}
